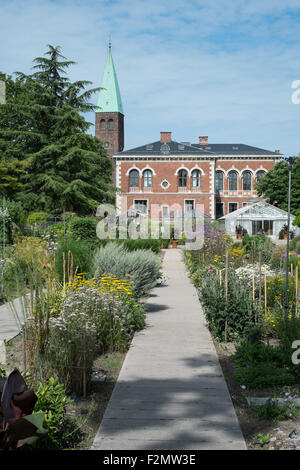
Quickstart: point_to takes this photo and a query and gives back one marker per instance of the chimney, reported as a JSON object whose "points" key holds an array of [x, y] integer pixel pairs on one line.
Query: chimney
{"points": [[277, 151], [165, 137], [203, 140]]}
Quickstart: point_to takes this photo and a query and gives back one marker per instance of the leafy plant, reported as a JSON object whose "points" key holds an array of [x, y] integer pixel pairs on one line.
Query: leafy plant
{"points": [[226, 316], [256, 244], [273, 410], [83, 228], [18, 426], [266, 374], [254, 353], [140, 266], [262, 439], [141, 244], [81, 254], [37, 217], [53, 402]]}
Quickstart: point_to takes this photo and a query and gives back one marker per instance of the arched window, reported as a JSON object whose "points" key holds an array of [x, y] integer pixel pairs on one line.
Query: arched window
{"points": [[182, 179], [196, 178], [247, 181], [260, 174], [232, 181], [147, 179], [134, 179], [110, 124], [102, 124], [219, 180]]}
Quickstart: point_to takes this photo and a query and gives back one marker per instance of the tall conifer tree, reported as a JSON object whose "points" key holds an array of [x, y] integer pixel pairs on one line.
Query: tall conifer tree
{"points": [[67, 168]]}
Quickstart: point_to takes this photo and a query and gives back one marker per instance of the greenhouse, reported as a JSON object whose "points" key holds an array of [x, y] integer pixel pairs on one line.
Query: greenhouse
{"points": [[259, 217]]}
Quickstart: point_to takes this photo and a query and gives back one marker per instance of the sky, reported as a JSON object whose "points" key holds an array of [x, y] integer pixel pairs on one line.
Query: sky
{"points": [[217, 68]]}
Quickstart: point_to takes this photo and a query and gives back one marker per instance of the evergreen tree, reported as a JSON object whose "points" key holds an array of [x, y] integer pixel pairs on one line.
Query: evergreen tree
{"points": [[67, 168], [12, 167]]}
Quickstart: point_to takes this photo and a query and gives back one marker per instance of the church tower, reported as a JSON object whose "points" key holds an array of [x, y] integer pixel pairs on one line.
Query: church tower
{"points": [[109, 119]]}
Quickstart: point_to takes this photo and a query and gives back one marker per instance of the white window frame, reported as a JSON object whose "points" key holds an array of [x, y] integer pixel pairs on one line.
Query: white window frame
{"points": [[162, 211], [194, 205], [138, 200]]}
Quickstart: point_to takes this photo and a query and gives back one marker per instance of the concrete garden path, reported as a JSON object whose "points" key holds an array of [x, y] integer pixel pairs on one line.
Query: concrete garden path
{"points": [[8, 325], [171, 393]]}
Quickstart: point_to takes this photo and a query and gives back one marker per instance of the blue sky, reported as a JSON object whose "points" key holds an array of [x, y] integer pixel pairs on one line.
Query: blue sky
{"points": [[221, 68]]}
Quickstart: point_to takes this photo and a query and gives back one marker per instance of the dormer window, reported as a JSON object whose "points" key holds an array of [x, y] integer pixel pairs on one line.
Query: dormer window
{"points": [[165, 148]]}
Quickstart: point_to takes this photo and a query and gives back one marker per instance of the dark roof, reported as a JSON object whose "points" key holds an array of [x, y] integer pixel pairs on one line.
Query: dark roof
{"points": [[175, 148], [231, 149], [179, 148]]}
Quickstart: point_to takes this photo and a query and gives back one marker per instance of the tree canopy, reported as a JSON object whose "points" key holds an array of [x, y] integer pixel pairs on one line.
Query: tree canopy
{"points": [[273, 186], [44, 132]]}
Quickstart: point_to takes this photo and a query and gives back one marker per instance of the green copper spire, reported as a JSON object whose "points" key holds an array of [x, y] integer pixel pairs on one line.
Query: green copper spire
{"points": [[109, 100]]}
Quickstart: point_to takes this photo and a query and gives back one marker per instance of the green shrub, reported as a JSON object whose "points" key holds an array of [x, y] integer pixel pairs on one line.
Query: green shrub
{"points": [[258, 243], [55, 231], [273, 410], [37, 218], [164, 242], [141, 244], [141, 266], [53, 402], [261, 365], [294, 243], [83, 228], [82, 256], [288, 332], [231, 316], [266, 374], [276, 261], [254, 334], [252, 354]]}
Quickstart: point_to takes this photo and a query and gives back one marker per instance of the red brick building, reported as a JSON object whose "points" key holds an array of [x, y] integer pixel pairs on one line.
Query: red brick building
{"points": [[165, 173]]}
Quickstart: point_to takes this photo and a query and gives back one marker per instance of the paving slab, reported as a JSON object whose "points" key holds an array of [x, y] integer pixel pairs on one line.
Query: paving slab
{"points": [[9, 327], [171, 393]]}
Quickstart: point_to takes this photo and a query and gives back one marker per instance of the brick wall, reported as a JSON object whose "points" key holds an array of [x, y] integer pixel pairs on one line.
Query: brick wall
{"points": [[111, 138], [167, 170]]}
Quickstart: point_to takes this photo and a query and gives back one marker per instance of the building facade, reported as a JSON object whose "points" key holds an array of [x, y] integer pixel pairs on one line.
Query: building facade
{"points": [[163, 176], [166, 173]]}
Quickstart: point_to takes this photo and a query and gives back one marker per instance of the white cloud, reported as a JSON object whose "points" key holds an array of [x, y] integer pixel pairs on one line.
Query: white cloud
{"points": [[222, 69]]}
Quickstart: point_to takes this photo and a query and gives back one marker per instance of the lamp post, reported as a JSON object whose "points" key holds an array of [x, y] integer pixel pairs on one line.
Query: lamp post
{"points": [[290, 161]]}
